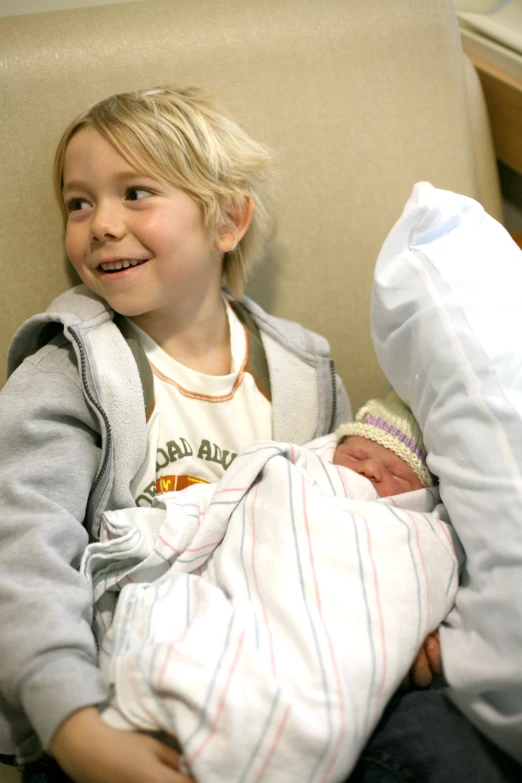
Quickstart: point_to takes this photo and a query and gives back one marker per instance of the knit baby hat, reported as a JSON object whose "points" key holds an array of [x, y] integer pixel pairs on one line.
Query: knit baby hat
{"points": [[391, 423]]}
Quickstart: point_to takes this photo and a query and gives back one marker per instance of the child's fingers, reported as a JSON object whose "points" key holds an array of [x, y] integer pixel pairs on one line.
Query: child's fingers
{"points": [[171, 776], [172, 758], [432, 648], [99, 753], [420, 671], [166, 755]]}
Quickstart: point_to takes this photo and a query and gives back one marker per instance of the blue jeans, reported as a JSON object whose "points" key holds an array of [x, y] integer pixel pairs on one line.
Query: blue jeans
{"points": [[421, 738], [45, 770]]}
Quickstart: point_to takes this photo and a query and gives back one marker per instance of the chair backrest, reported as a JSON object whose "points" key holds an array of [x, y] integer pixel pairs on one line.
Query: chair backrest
{"points": [[359, 100]]}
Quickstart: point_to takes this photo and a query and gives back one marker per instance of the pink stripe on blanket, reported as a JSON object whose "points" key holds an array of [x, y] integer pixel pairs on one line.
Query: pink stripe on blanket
{"points": [[256, 582], [167, 544], [335, 666], [426, 585], [274, 745], [219, 710], [381, 619], [340, 473]]}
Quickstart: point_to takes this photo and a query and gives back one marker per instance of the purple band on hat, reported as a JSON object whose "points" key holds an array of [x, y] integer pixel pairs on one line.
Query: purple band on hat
{"points": [[376, 421]]}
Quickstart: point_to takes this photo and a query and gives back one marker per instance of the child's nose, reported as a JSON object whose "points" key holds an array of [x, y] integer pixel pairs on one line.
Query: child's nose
{"points": [[107, 223]]}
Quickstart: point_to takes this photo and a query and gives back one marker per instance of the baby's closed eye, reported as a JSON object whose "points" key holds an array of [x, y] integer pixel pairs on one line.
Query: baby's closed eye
{"points": [[404, 479]]}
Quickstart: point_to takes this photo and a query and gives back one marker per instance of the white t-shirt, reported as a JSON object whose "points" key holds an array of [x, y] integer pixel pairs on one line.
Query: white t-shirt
{"points": [[199, 422]]}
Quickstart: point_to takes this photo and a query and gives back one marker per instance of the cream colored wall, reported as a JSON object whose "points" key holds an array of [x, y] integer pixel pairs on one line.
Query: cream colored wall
{"points": [[478, 6], [14, 7]]}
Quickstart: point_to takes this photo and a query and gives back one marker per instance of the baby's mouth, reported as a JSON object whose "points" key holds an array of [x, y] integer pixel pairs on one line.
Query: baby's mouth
{"points": [[117, 266]]}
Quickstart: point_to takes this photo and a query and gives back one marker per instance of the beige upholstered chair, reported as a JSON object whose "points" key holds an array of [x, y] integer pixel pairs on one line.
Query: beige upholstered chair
{"points": [[358, 100]]}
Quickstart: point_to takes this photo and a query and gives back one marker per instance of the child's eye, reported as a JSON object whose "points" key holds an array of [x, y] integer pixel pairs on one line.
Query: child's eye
{"points": [[75, 204], [135, 194]]}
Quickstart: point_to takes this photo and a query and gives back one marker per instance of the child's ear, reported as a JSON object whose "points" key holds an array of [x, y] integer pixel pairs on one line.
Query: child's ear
{"points": [[231, 233]]}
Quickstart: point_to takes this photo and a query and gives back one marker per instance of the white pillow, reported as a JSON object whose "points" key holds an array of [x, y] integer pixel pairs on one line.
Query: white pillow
{"points": [[447, 330]]}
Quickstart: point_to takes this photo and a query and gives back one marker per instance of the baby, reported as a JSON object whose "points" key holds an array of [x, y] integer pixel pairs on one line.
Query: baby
{"points": [[385, 445], [266, 556]]}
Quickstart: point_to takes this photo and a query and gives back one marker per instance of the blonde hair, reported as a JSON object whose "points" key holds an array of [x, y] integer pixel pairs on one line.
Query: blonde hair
{"points": [[183, 137]]}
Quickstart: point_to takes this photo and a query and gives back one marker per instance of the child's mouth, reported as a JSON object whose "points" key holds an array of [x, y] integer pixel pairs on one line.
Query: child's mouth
{"points": [[115, 267]]}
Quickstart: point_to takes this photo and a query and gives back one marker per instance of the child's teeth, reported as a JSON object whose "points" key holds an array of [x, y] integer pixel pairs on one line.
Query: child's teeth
{"points": [[111, 266], [114, 266]]}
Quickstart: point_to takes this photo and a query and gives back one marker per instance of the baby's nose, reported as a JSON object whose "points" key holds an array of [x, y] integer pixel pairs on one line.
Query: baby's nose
{"points": [[371, 469]]}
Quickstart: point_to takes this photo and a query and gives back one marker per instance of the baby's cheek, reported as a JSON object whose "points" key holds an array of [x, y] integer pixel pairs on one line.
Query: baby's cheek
{"points": [[389, 486], [341, 459]]}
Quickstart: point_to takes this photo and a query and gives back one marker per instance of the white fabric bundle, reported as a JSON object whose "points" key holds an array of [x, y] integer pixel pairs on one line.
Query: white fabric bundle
{"points": [[447, 329], [266, 620]]}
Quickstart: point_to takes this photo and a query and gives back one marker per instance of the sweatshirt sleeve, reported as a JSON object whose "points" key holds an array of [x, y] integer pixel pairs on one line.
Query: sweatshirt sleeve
{"points": [[49, 457], [344, 409]]}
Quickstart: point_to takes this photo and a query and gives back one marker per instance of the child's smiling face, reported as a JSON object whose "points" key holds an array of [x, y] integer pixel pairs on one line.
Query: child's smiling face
{"points": [[388, 473], [138, 242]]}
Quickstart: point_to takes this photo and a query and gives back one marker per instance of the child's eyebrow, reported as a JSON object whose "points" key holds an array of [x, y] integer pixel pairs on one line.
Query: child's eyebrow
{"points": [[122, 176], [73, 185]]}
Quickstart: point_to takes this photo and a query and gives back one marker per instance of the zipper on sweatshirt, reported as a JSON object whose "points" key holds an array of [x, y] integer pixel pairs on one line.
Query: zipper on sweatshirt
{"points": [[334, 397], [96, 404]]}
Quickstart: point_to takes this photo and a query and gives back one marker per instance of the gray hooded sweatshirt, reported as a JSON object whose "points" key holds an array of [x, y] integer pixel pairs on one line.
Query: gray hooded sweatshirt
{"points": [[73, 435]]}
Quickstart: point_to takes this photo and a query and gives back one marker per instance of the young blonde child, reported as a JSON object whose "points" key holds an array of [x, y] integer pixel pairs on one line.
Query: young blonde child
{"points": [[146, 377]]}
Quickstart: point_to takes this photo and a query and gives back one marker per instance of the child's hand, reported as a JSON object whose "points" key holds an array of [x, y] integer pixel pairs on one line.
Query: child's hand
{"points": [[90, 751], [428, 661]]}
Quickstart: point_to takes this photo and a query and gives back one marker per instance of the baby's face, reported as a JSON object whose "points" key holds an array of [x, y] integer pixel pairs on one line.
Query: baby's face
{"points": [[387, 472]]}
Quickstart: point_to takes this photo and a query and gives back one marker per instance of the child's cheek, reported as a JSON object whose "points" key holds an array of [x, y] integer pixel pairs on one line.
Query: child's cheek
{"points": [[72, 244]]}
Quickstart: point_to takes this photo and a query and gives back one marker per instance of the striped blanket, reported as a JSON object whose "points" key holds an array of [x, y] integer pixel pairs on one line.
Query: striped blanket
{"points": [[266, 620]]}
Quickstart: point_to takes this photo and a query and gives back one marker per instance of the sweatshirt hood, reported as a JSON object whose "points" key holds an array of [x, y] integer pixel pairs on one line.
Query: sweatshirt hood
{"points": [[77, 306]]}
